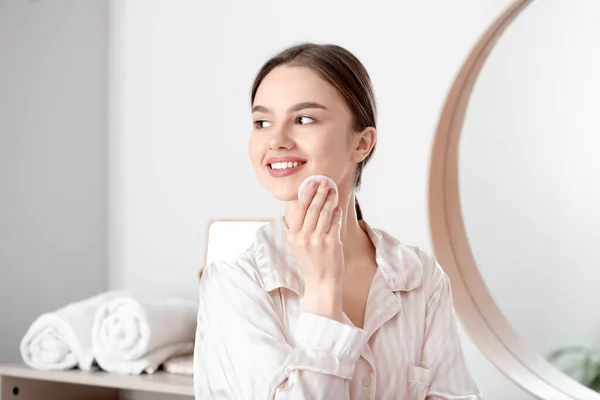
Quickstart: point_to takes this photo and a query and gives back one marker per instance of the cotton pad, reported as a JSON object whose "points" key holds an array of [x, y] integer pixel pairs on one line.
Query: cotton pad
{"points": [[318, 179]]}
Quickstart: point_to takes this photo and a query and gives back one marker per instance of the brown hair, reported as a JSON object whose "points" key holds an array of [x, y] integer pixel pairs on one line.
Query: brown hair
{"points": [[345, 72]]}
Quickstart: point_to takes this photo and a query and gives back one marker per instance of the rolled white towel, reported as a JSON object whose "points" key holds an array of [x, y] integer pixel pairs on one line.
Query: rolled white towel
{"points": [[180, 365], [133, 334], [61, 339]]}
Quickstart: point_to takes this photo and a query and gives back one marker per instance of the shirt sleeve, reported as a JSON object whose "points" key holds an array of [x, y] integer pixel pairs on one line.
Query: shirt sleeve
{"points": [[442, 351], [241, 350]]}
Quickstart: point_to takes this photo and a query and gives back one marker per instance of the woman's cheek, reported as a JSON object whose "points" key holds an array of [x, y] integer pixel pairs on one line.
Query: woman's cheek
{"points": [[254, 150]]}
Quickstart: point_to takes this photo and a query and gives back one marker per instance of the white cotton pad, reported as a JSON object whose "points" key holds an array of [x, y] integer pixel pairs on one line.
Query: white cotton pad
{"points": [[319, 178]]}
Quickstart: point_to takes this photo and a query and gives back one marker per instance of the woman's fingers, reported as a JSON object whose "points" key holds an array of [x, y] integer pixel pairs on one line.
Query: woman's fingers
{"points": [[314, 209], [326, 212], [296, 217], [316, 240]]}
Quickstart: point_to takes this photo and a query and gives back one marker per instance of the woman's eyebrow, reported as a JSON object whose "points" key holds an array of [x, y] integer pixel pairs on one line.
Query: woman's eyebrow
{"points": [[305, 105], [296, 107]]}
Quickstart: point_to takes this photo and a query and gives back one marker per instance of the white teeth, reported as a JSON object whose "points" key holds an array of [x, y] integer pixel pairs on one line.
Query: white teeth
{"points": [[285, 165]]}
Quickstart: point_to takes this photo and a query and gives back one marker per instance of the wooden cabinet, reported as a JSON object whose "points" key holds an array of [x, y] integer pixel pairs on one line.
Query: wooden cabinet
{"points": [[19, 382]]}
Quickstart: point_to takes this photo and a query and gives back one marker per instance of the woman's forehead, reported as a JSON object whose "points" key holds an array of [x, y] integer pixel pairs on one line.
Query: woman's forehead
{"points": [[285, 86]]}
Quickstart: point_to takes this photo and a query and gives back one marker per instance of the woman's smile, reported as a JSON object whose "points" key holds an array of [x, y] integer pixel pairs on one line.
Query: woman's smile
{"points": [[280, 167]]}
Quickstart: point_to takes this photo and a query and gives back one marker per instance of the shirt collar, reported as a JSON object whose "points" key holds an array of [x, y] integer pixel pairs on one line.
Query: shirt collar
{"points": [[399, 264]]}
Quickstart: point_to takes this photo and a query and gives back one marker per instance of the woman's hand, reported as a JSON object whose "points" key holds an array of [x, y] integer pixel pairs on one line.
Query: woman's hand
{"points": [[314, 226]]}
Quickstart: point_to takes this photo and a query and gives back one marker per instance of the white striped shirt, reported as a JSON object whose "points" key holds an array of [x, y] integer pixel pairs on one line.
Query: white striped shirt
{"points": [[253, 342]]}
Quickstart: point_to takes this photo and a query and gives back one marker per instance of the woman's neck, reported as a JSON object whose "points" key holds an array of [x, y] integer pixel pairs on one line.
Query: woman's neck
{"points": [[354, 239]]}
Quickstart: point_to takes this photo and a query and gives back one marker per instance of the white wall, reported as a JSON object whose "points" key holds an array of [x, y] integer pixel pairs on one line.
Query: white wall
{"points": [[529, 173], [180, 122], [53, 79]]}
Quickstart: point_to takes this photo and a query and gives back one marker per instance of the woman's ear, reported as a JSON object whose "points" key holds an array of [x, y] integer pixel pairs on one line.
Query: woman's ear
{"points": [[364, 143]]}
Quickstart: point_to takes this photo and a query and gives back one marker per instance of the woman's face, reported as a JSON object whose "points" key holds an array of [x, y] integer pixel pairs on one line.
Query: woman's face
{"points": [[302, 127]]}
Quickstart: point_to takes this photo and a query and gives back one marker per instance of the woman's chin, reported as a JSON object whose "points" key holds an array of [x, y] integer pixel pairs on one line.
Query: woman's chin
{"points": [[284, 196]]}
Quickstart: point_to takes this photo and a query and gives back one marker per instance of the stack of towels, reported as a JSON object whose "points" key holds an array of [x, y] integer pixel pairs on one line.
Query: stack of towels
{"points": [[118, 331]]}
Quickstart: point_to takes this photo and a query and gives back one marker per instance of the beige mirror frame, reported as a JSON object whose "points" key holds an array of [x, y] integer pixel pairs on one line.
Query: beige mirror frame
{"points": [[479, 314]]}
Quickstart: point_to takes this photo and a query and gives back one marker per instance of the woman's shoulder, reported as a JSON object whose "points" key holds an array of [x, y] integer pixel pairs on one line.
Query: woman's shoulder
{"points": [[242, 266], [433, 273], [415, 264]]}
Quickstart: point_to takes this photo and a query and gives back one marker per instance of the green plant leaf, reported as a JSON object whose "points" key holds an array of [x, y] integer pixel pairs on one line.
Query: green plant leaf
{"points": [[556, 354], [588, 369]]}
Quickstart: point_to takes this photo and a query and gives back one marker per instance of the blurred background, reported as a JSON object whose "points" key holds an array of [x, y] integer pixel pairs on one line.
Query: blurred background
{"points": [[124, 126]]}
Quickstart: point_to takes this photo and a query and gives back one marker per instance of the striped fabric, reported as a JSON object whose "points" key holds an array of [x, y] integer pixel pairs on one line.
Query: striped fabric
{"points": [[253, 342]]}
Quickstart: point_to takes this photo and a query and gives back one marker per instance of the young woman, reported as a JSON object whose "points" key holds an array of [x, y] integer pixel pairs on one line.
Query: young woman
{"points": [[322, 306]]}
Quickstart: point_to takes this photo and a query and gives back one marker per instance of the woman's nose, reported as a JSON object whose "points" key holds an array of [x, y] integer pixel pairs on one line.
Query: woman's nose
{"points": [[281, 140]]}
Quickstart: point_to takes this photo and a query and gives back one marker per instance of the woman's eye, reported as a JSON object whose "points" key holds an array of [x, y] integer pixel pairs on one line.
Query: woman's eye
{"points": [[303, 119], [260, 124]]}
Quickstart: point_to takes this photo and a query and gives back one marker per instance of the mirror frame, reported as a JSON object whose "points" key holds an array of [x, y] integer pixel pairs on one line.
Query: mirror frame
{"points": [[480, 316]]}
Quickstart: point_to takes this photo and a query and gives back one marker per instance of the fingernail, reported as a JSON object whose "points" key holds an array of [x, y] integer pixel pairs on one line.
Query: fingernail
{"points": [[312, 184], [324, 183]]}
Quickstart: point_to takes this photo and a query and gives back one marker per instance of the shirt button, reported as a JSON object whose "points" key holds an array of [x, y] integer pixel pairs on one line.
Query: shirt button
{"points": [[367, 381]]}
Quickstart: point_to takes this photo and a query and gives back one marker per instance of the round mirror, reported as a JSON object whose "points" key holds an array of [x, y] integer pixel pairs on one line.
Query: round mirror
{"points": [[515, 196]]}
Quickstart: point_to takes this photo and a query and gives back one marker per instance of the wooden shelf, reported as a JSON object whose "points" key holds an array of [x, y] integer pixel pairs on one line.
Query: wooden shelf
{"points": [[159, 382]]}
